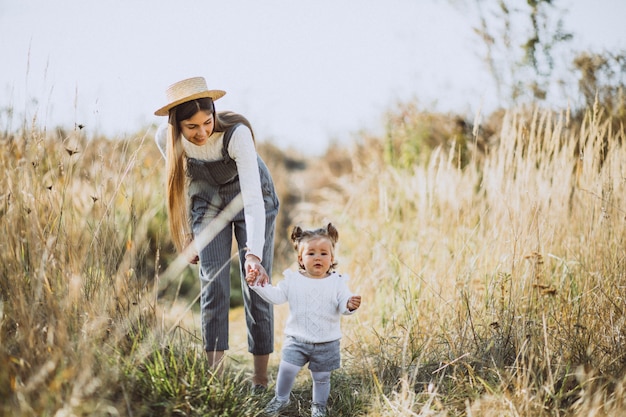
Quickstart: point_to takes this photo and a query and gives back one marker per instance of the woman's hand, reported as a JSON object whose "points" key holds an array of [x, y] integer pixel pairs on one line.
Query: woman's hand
{"points": [[191, 252], [255, 273], [354, 302], [193, 258]]}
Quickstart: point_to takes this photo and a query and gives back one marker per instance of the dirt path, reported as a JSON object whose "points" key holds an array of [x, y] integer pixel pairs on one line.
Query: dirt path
{"points": [[238, 339]]}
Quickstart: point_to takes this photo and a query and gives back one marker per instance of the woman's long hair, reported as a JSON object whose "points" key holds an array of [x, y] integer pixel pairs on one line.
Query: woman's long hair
{"points": [[176, 163]]}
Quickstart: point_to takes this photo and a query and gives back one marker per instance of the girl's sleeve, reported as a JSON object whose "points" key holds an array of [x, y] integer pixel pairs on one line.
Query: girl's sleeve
{"points": [[160, 137], [241, 149], [344, 294], [271, 294]]}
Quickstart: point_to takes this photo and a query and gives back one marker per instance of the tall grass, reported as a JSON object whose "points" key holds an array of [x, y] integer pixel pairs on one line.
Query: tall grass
{"points": [[74, 217], [496, 288], [82, 221], [492, 274]]}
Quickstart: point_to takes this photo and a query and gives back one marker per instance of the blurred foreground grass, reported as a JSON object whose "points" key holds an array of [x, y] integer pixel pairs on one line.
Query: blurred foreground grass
{"points": [[491, 266]]}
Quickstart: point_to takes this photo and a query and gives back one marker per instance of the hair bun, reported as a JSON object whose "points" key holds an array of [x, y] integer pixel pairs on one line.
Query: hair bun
{"points": [[296, 235], [332, 233]]}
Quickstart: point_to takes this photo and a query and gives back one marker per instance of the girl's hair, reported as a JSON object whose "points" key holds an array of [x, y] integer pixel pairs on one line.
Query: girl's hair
{"points": [[176, 165], [299, 236]]}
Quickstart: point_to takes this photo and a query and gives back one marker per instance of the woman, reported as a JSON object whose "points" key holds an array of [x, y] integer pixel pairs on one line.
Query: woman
{"points": [[211, 161]]}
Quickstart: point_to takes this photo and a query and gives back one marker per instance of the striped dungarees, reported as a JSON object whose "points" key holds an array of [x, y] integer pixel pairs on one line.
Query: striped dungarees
{"points": [[214, 184]]}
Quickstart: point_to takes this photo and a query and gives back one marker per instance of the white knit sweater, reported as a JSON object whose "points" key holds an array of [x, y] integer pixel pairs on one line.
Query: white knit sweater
{"points": [[315, 305], [242, 150]]}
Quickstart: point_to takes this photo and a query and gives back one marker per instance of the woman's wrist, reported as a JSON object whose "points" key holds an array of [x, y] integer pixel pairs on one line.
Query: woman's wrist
{"points": [[252, 257]]}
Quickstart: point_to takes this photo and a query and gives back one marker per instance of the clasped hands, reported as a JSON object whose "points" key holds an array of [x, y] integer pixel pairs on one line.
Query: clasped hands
{"points": [[255, 272]]}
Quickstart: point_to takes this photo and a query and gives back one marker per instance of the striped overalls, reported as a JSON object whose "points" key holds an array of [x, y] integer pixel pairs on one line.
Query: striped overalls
{"points": [[213, 185]]}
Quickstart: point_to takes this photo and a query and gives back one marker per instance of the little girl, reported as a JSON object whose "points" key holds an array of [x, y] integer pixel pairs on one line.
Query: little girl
{"points": [[317, 297]]}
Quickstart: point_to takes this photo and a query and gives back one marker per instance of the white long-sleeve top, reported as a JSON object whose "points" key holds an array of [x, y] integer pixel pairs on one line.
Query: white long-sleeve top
{"points": [[315, 304], [242, 150]]}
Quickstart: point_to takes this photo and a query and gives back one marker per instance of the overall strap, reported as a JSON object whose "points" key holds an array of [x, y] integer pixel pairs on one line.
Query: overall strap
{"points": [[226, 141]]}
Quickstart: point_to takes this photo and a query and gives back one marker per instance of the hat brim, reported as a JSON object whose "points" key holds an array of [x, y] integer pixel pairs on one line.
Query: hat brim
{"points": [[212, 94]]}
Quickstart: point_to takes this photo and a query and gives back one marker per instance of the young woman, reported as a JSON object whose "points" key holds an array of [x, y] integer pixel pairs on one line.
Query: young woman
{"points": [[211, 162], [317, 297]]}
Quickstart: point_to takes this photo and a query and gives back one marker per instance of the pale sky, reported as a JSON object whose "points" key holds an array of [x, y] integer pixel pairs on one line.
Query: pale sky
{"points": [[304, 72]]}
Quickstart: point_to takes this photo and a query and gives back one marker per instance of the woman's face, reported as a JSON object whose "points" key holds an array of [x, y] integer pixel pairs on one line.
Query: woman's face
{"points": [[198, 127]]}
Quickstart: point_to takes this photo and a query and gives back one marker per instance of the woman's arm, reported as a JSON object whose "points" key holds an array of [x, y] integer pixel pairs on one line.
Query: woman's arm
{"points": [[242, 150]]}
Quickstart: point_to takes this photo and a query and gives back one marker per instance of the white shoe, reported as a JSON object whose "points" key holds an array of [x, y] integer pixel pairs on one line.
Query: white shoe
{"points": [[275, 406], [318, 410]]}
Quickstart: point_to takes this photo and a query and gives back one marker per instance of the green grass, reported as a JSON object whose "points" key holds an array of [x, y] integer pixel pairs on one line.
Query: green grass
{"points": [[492, 276]]}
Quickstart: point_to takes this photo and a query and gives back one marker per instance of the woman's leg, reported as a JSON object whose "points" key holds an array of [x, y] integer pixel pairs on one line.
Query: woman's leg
{"points": [[215, 296], [215, 358], [259, 313], [259, 377]]}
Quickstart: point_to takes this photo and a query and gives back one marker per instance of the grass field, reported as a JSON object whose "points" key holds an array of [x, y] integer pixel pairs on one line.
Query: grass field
{"points": [[491, 264]]}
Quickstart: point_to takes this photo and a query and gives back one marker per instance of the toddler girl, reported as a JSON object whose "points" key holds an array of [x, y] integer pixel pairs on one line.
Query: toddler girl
{"points": [[317, 297]]}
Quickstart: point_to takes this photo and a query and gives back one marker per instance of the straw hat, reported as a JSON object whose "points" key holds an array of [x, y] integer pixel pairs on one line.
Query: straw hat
{"points": [[187, 90]]}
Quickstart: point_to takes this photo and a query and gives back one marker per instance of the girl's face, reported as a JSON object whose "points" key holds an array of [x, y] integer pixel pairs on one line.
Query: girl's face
{"points": [[316, 257], [198, 127]]}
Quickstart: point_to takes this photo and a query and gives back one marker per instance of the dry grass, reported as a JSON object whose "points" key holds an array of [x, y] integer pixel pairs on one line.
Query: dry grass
{"points": [[493, 289], [492, 275], [75, 217]]}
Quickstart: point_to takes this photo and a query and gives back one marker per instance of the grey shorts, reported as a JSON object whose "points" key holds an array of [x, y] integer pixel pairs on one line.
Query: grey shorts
{"points": [[322, 357]]}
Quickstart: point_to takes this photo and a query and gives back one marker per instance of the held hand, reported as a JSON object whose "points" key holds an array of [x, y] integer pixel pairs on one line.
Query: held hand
{"points": [[251, 276], [255, 273], [354, 302]]}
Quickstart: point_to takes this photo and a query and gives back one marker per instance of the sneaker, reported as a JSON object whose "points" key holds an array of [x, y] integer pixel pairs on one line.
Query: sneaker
{"points": [[275, 406], [318, 410]]}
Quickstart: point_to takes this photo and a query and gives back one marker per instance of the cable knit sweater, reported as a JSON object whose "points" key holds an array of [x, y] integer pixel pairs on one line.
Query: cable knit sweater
{"points": [[315, 305]]}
